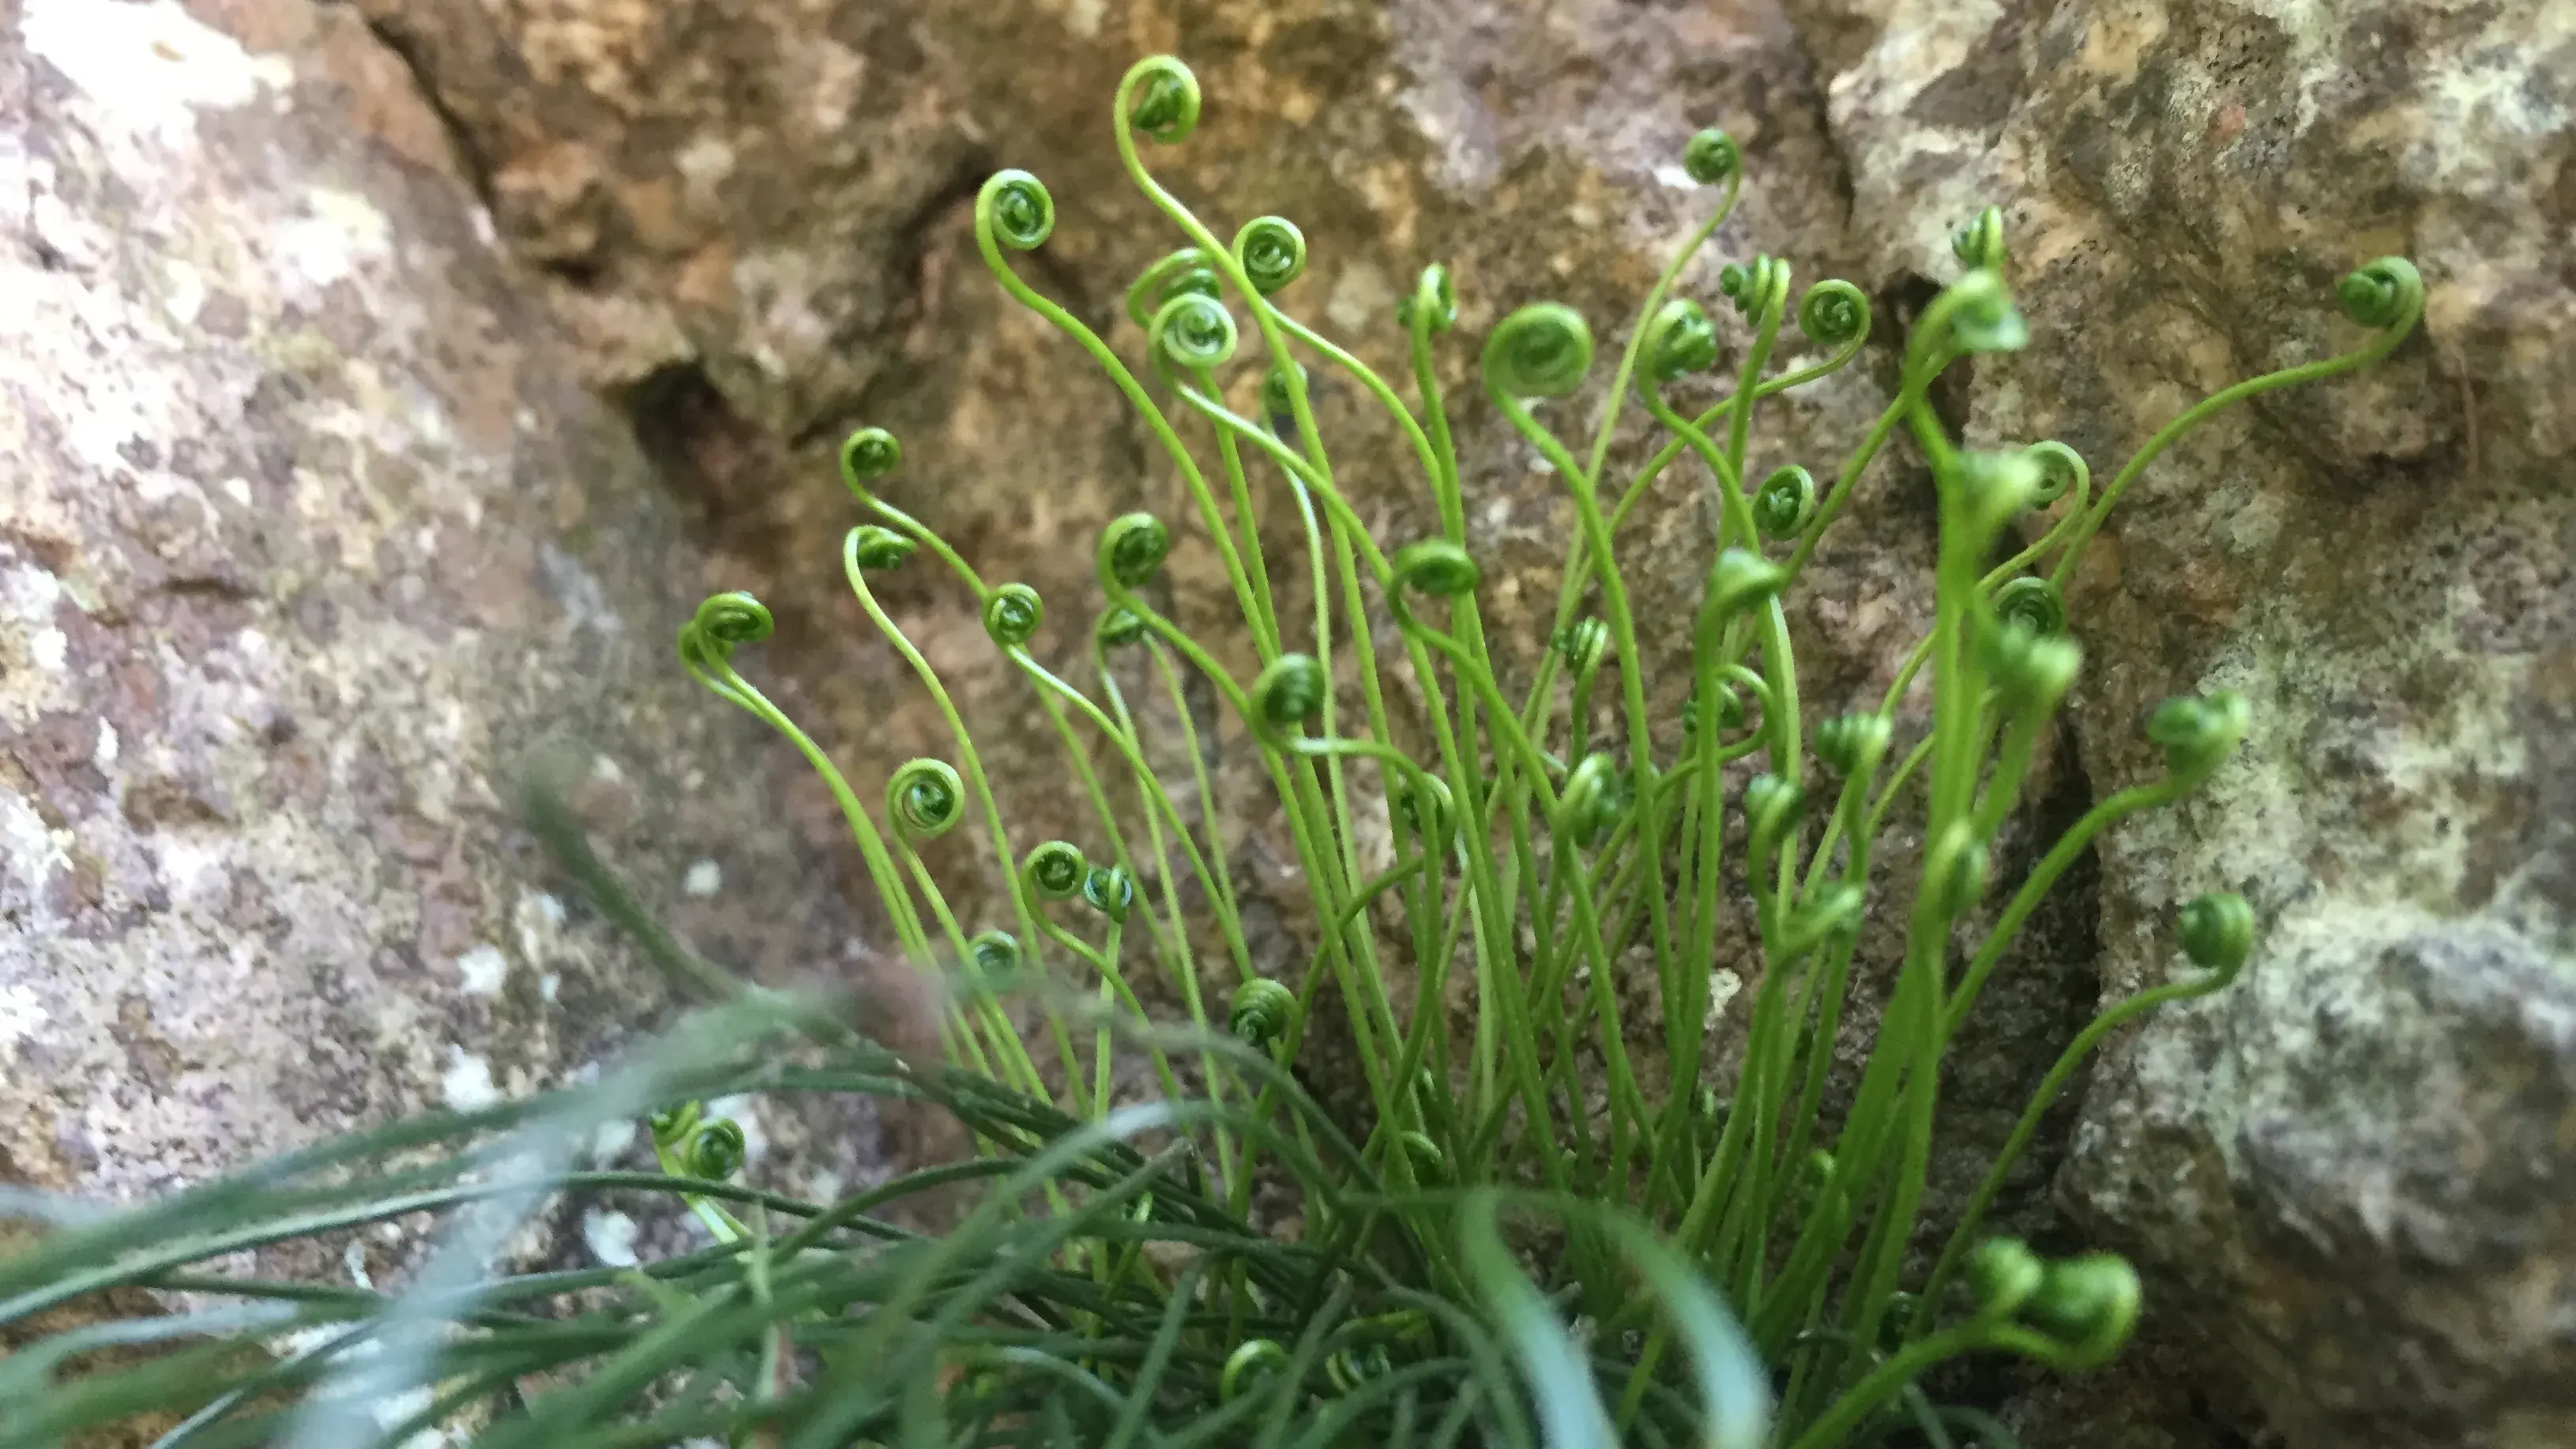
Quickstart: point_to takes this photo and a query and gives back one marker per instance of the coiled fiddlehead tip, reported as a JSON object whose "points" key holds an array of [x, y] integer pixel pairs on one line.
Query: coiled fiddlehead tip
{"points": [[1738, 579], [1981, 242], [1181, 270], [1834, 313], [1247, 1366], [2004, 1273], [716, 1150], [1271, 251], [1428, 818], [1711, 156], [2387, 293], [1785, 503], [2199, 732], [1582, 644], [1012, 614], [1851, 745], [879, 548], [2026, 650], [996, 953], [1110, 890], [1772, 804], [1434, 298], [1955, 871], [1593, 800], [925, 798], [1119, 628], [1286, 692], [2031, 670], [1356, 1365], [1679, 341], [1980, 316], [724, 622], [1277, 400], [2061, 470], [1436, 567], [734, 617], [1835, 911], [1756, 286], [2033, 603], [1542, 350], [1198, 281], [868, 454], [1901, 1310], [1134, 546], [1261, 1012], [1430, 1164], [1160, 97], [1015, 210], [2218, 933], [672, 1125], [1992, 488], [1193, 331], [1817, 1175], [1055, 870], [2087, 1304], [1729, 711]]}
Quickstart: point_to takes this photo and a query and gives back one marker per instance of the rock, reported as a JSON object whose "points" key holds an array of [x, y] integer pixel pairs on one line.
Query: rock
{"points": [[310, 540], [2353, 1170]]}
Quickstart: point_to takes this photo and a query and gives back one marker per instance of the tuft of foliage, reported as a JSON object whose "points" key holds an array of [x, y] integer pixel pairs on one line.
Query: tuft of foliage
{"points": [[1110, 1284]]}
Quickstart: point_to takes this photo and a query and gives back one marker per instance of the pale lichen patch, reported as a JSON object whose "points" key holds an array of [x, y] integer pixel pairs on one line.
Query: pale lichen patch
{"points": [[1722, 987], [22, 1015], [484, 969], [34, 852], [610, 1236], [612, 1139], [149, 66], [467, 1085], [1361, 296]]}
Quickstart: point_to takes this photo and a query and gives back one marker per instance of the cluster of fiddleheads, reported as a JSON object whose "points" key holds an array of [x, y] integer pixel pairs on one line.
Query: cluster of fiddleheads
{"points": [[1525, 891], [1530, 857]]}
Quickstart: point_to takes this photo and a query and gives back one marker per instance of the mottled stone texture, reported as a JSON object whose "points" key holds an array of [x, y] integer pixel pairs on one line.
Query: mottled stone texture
{"points": [[2350, 1178], [308, 538]]}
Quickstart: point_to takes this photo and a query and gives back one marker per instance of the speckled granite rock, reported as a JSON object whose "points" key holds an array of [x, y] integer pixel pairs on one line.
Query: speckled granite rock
{"points": [[2359, 1168], [308, 538]]}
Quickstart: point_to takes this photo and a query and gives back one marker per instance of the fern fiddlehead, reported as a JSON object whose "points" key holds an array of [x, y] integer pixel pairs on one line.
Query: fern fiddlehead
{"points": [[1496, 841]]}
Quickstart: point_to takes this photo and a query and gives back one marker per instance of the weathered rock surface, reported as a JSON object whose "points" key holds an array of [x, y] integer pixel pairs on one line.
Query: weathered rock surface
{"points": [[309, 536], [2360, 1166]]}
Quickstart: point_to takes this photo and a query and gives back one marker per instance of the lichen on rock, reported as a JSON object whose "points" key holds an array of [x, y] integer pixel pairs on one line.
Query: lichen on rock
{"points": [[309, 541]]}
